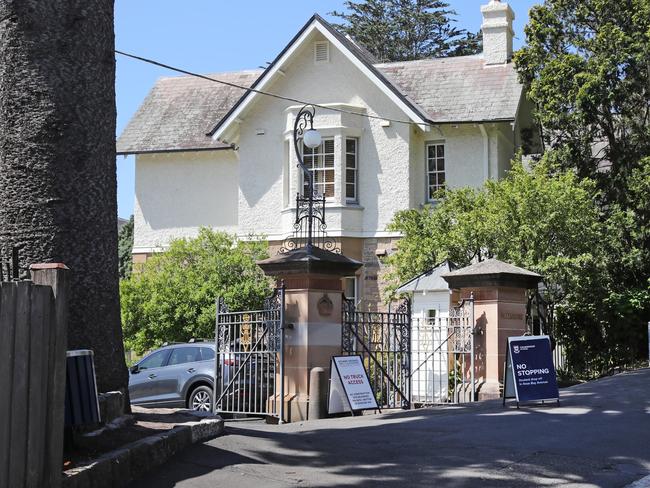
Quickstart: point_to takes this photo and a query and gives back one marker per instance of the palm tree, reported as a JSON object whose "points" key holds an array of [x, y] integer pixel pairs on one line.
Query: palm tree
{"points": [[57, 160]]}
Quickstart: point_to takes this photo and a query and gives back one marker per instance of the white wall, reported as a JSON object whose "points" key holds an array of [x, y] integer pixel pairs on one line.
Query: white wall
{"points": [[252, 190], [383, 188], [176, 193]]}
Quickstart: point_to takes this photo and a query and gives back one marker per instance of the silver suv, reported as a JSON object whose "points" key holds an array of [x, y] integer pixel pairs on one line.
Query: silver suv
{"points": [[178, 375]]}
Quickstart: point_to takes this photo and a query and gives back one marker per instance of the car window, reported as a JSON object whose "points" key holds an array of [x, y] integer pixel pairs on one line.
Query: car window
{"points": [[155, 360], [207, 353], [182, 355]]}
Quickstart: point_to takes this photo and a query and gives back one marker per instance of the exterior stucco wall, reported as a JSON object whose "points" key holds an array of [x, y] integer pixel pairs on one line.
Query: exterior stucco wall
{"points": [[464, 157], [431, 300], [505, 137], [177, 193], [383, 151]]}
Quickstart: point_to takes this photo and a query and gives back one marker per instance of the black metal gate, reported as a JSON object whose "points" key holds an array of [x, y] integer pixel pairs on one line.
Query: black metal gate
{"points": [[249, 362], [383, 340]]}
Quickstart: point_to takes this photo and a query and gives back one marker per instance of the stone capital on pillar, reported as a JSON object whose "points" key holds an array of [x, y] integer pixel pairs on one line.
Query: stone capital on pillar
{"points": [[500, 297], [313, 317]]}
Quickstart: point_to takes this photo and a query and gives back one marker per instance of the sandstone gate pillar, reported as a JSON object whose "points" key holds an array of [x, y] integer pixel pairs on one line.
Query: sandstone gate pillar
{"points": [[500, 297], [313, 317]]}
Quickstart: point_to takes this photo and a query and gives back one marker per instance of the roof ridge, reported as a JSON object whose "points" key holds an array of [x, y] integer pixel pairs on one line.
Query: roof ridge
{"points": [[354, 50], [213, 74], [429, 60]]}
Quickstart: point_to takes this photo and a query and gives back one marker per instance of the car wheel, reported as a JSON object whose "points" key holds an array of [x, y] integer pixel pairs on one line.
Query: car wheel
{"points": [[200, 399]]}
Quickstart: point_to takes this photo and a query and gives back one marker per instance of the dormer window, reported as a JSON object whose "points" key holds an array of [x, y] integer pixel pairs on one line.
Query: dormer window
{"points": [[321, 52]]}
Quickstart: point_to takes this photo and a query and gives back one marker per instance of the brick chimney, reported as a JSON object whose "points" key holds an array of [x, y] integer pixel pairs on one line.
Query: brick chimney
{"points": [[497, 32]]}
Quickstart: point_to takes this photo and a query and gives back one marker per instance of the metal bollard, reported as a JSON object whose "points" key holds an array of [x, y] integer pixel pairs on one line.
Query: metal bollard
{"points": [[317, 391]]}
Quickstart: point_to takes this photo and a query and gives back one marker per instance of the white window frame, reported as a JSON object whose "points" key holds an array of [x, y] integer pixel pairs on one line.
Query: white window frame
{"points": [[436, 172], [310, 153], [355, 169]]}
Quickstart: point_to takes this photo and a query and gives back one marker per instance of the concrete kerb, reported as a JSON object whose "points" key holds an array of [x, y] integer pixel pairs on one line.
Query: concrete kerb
{"points": [[128, 463]]}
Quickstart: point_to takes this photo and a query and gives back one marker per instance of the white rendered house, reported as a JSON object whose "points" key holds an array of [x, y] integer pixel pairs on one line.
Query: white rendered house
{"points": [[214, 155]]}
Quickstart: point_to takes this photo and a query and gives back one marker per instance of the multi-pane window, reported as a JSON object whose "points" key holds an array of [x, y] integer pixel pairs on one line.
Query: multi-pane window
{"points": [[320, 161], [435, 169], [351, 169]]}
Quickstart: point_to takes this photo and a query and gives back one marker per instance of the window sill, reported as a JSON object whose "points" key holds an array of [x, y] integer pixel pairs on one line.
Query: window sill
{"points": [[431, 203]]}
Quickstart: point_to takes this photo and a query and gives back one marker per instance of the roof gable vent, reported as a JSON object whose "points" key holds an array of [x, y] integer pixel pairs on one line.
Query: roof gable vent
{"points": [[321, 52]]}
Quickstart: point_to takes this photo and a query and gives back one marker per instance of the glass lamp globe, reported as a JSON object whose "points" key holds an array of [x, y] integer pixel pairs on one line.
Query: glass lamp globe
{"points": [[312, 138]]}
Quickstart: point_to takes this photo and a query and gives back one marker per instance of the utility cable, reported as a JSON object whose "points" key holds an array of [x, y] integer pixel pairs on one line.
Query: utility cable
{"points": [[261, 92]]}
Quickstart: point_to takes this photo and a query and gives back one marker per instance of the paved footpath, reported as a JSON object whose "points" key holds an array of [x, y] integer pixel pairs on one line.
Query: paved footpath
{"points": [[599, 437]]}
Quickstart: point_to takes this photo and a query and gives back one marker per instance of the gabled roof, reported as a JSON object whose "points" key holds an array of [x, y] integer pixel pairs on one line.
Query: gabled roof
{"points": [[430, 280], [458, 89], [179, 111], [357, 55]]}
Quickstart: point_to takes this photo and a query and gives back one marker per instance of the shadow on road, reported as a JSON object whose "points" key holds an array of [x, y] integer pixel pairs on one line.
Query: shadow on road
{"points": [[598, 437]]}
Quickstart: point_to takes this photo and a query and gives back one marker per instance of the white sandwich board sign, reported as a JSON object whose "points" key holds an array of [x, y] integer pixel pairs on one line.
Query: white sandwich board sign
{"points": [[350, 389]]}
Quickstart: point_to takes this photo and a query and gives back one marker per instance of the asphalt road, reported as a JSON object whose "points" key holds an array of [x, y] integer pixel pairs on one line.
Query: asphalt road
{"points": [[599, 436]]}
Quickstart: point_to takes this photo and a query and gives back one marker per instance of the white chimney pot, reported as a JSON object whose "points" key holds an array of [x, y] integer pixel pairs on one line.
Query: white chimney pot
{"points": [[497, 32]]}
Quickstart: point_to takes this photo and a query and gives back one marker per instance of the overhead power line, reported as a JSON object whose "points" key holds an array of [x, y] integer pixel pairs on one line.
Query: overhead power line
{"points": [[261, 92]]}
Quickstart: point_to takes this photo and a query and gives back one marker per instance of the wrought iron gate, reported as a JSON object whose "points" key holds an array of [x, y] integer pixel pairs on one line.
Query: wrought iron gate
{"points": [[249, 362], [383, 340], [443, 357]]}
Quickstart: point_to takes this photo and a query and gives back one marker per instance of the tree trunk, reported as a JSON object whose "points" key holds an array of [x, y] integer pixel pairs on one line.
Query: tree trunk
{"points": [[57, 160]]}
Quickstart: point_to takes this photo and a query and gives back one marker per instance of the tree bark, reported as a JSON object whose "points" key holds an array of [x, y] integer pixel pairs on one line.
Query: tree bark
{"points": [[58, 189]]}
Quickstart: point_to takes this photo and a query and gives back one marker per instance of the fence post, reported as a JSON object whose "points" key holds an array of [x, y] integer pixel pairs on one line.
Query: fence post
{"points": [[216, 355], [57, 276], [409, 383], [282, 302], [473, 330], [648, 343]]}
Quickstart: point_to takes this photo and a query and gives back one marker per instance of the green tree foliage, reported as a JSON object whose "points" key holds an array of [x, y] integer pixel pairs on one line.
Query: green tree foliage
{"points": [[402, 30], [544, 222], [608, 320], [124, 248], [172, 297], [587, 64], [470, 43], [547, 221]]}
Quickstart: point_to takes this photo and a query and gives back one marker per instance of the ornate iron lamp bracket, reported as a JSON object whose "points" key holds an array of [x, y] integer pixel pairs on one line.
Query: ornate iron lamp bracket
{"points": [[309, 225]]}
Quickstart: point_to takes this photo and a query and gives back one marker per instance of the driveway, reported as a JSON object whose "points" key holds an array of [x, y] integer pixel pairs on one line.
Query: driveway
{"points": [[599, 436]]}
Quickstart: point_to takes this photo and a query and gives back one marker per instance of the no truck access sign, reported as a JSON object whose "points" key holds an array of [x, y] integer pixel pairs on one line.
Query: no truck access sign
{"points": [[350, 389], [529, 370]]}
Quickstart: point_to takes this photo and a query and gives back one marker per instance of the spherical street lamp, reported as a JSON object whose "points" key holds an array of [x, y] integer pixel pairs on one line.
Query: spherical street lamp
{"points": [[311, 138]]}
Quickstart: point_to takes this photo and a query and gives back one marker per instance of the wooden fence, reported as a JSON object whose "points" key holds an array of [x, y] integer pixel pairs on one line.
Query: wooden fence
{"points": [[33, 339]]}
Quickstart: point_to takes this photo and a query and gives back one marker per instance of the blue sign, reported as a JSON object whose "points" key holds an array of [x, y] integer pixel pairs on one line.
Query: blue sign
{"points": [[529, 370]]}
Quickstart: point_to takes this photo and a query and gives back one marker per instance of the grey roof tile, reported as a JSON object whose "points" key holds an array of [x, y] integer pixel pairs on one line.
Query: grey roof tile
{"points": [[429, 280], [179, 111], [459, 89]]}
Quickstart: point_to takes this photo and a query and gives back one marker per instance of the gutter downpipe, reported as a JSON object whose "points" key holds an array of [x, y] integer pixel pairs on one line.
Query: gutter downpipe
{"points": [[486, 151]]}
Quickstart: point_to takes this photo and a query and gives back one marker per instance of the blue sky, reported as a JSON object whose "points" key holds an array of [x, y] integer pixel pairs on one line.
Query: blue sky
{"points": [[211, 36]]}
